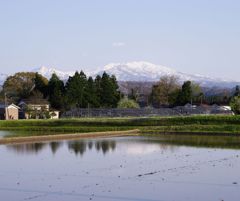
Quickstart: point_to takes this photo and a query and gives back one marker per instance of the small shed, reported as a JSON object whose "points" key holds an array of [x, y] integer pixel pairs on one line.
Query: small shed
{"points": [[12, 112]]}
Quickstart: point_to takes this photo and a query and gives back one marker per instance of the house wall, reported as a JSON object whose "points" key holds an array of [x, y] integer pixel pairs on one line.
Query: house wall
{"points": [[11, 113], [38, 107]]}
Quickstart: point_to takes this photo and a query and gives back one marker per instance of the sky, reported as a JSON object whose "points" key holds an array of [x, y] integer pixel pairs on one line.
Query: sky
{"points": [[192, 36]]}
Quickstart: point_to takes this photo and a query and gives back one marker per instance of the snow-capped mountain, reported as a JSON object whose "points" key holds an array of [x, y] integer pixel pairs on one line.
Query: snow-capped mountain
{"points": [[139, 72], [136, 71], [148, 72], [47, 72]]}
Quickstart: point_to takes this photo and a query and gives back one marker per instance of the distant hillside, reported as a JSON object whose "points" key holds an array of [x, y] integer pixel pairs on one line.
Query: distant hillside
{"points": [[142, 75], [143, 72]]}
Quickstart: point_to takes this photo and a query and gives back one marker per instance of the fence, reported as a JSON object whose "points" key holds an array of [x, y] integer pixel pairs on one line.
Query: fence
{"points": [[143, 112], [119, 112]]}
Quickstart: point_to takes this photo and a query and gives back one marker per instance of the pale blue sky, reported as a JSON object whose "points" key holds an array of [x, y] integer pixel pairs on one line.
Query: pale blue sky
{"points": [[188, 35]]}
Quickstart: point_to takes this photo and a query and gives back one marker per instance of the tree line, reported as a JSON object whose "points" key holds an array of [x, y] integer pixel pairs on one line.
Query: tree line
{"points": [[169, 92], [79, 90]]}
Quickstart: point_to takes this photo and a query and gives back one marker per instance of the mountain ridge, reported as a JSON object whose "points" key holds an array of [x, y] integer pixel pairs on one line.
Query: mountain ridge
{"points": [[142, 71], [138, 71]]}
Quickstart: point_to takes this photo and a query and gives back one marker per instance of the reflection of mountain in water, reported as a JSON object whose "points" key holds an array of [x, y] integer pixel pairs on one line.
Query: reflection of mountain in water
{"points": [[80, 147]]}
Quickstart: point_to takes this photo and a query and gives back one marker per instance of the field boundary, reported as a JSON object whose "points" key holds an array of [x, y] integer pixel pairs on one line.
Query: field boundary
{"points": [[57, 137]]}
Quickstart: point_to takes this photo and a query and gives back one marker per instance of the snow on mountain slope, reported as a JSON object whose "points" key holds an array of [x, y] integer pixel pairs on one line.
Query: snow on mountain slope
{"points": [[47, 72], [141, 72], [136, 71], [148, 72]]}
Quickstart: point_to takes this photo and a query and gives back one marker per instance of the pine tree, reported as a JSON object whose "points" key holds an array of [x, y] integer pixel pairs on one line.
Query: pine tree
{"points": [[185, 95], [92, 98], [116, 92], [76, 90], [41, 84], [110, 95], [56, 92]]}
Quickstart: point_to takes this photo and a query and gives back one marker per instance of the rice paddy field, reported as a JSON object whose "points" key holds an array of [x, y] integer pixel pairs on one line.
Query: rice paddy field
{"points": [[213, 125]]}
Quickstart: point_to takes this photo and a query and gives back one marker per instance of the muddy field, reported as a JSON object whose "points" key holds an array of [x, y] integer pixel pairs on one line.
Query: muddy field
{"points": [[119, 168]]}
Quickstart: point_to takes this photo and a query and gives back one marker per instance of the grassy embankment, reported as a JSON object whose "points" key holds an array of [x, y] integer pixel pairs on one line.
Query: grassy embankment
{"points": [[153, 125]]}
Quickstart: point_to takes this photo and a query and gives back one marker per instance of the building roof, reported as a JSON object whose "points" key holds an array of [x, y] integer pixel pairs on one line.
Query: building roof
{"points": [[3, 106], [13, 105], [33, 102]]}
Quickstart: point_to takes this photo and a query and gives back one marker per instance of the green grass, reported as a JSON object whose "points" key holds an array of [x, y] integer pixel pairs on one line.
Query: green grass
{"points": [[190, 124]]}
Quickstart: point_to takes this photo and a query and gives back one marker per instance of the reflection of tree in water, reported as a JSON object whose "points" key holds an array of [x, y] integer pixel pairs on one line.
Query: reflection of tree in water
{"points": [[90, 145], [35, 147], [105, 145], [80, 147], [55, 146], [165, 147], [27, 148]]}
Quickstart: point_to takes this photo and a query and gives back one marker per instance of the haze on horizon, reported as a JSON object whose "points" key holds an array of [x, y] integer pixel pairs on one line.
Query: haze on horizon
{"points": [[197, 37]]}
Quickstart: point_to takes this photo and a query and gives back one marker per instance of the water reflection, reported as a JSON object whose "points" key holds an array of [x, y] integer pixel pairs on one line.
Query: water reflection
{"points": [[141, 148], [55, 146], [27, 148], [125, 168], [207, 141], [139, 145], [80, 147]]}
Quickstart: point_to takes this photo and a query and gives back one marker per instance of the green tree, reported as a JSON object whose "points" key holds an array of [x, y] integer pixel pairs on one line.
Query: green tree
{"points": [[97, 83], [197, 93], [166, 91], [116, 92], [127, 103], [41, 84], [92, 98], [76, 90], [185, 96], [235, 104], [20, 85], [56, 92], [110, 95]]}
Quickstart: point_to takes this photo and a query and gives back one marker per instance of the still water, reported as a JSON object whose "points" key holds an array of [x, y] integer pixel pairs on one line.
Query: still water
{"points": [[124, 168]]}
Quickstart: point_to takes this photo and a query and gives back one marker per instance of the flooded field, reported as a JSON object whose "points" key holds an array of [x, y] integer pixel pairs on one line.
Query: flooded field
{"points": [[165, 168]]}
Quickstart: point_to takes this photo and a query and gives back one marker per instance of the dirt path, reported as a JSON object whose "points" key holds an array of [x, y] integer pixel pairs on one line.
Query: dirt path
{"points": [[18, 140]]}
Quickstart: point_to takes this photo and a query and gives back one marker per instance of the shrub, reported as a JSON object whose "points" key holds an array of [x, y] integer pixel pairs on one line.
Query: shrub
{"points": [[235, 104], [127, 103]]}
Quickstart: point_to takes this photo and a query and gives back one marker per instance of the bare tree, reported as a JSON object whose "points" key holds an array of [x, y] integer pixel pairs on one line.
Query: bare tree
{"points": [[165, 92]]}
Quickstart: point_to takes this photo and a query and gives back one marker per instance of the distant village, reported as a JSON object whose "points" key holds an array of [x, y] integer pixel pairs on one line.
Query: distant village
{"points": [[28, 95]]}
